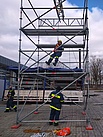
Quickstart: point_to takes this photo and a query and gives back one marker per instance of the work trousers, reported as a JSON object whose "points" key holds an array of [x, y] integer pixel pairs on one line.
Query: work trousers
{"points": [[54, 114], [56, 55], [10, 103]]}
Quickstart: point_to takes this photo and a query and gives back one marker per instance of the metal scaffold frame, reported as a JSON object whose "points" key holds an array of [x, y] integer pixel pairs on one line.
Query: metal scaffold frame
{"points": [[37, 26]]}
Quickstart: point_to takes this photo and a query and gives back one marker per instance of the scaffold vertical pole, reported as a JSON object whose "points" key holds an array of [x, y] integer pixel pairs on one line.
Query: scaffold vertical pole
{"points": [[19, 63], [36, 112]]}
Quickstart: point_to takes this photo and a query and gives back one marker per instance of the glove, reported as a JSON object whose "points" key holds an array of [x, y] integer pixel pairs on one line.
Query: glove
{"points": [[54, 50]]}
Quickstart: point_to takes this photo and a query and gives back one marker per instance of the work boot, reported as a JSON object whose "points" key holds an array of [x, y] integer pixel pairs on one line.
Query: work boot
{"points": [[7, 110], [55, 124], [54, 64], [47, 63], [50, 123], [15, 108]]}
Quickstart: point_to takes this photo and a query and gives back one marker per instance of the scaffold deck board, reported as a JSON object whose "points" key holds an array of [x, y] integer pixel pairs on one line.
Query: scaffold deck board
{"points": [[53, 32], [65, 46]]}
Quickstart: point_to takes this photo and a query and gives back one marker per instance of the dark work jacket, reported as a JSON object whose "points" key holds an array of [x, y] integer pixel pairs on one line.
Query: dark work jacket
{"points": [[58, 50], [59, 47], [56, 100], [11, 93]]}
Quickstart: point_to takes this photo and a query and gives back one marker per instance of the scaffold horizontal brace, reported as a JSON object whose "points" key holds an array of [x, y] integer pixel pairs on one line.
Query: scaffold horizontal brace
{"points": [[57, 73], [65, 46], [45, 121]]}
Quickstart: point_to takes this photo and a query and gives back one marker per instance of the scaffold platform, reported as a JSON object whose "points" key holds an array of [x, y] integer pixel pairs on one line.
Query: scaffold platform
{"points": [[53, 32]]}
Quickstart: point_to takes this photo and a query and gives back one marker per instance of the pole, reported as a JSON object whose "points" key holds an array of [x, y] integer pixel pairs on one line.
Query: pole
{"points": [[79, 58], [36, 112], [17, 118]]}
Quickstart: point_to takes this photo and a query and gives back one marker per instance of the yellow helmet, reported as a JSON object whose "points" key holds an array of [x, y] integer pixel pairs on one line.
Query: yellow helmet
{"points": [[60, 41]]}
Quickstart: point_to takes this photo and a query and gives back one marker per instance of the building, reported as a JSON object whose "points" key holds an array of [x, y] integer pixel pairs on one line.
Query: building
{"points": [[7, 76]]}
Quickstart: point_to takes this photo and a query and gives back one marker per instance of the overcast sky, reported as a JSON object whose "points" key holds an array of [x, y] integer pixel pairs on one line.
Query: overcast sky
{"points": [[9, 26]]}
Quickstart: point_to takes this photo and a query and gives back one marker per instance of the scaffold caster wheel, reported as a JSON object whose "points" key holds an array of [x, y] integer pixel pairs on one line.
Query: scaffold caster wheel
{"points": [[15, 126], [89, 127], [36, 112], [83, 113]]}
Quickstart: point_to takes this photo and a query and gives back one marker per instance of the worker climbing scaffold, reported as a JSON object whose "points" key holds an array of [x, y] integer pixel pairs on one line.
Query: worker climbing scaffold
{"points": [[58, 49]]}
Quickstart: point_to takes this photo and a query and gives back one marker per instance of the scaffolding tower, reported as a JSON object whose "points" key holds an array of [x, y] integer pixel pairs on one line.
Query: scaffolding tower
{"points": [[40, 28]]}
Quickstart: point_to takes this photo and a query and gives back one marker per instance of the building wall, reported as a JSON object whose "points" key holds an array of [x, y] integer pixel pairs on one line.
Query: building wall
{"points": [[1, 88]]}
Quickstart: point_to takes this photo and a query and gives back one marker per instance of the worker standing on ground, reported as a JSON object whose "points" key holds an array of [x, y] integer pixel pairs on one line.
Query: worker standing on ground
{"points": [[55, 105], [10, 103], [57, 53]]}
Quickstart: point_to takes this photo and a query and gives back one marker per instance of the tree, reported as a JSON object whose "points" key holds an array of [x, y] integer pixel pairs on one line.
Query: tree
{"points": [[96, 66]]}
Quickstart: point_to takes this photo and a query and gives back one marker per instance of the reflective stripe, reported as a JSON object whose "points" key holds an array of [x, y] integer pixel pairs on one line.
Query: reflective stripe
{"points": [[14, 107], [62, 101], [7, 108], [10, 90], [55, 108], [57, 57], [53, 95], [51, 57]]}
